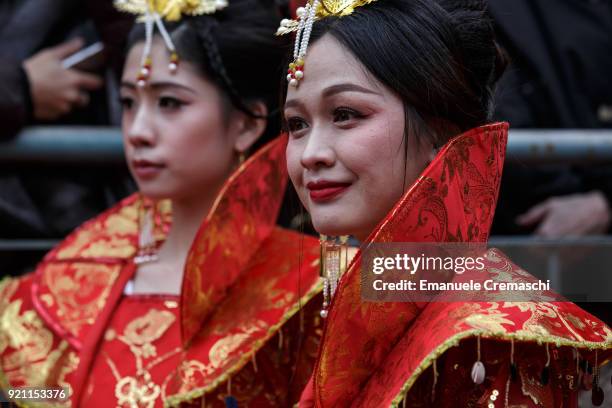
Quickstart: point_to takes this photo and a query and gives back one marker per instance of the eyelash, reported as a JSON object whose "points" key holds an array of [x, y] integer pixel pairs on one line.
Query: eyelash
{"points": [[292, 123], [169, 102], [164, 102], [344, 109]]}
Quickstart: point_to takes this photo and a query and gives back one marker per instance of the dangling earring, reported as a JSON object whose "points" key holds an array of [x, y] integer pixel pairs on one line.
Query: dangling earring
{"points": [[334, 259], [147, 246], [241, 157]]}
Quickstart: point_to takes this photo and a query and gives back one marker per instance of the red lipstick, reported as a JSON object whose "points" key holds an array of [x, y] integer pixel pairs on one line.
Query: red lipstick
{"points": [[323, 190]]}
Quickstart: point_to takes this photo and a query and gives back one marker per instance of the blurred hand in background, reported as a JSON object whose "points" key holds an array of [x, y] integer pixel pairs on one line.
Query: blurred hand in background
{"points": [[55, 90], [572, 215]]}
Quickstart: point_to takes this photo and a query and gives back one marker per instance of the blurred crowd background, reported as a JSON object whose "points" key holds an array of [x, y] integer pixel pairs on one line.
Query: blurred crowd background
{"points": [[559, 77]]}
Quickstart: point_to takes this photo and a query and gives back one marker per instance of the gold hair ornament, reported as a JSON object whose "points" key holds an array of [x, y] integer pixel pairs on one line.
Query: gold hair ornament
{"points": [[153, 13], [306, 16]]}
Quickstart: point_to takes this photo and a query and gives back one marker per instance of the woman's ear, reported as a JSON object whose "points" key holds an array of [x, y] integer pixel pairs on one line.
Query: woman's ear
{"points": [[251, 128]]}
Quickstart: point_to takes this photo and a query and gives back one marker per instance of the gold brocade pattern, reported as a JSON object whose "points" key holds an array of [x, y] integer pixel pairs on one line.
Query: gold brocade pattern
{"points": [[80, 291], [75, 279], [29, 353], [113, 236], [452, 201], [70, 301], [139, 390], [258, 304], [246, 207]]}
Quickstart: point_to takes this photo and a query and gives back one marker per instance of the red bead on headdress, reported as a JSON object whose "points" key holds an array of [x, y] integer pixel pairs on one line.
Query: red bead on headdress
{"points": [[306, 16], [153, 13]]}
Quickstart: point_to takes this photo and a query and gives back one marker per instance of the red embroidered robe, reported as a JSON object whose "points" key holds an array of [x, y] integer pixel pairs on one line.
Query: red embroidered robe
{"points": [[421, 354], [236, 329]]}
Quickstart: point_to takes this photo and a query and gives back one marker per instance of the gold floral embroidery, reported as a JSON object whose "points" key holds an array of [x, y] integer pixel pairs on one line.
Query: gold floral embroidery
{"points": [[8, 286], [540, 311], [139, 390], [112, 247], [32, 361], [575, 321], [124, 222], [136, 392], [80, 290], [82, 239], [140, 334], [26, 334], [224, 347], [261, 292], [491, 322]]}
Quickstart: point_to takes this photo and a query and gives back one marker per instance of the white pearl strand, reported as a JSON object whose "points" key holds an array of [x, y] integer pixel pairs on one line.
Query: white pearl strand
{"points": [[302, 13], [308, 28], [307, 17]]}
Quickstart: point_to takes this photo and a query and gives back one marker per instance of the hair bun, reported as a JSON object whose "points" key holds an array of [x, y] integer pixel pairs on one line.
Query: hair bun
{"points": [[476, 44]]}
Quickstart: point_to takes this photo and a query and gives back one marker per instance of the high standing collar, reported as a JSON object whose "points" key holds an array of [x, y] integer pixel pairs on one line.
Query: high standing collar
{"points": [[453, 200], [74, 282], [241, 218]]}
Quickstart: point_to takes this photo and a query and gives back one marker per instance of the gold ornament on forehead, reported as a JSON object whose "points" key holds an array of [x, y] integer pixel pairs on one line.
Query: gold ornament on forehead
{"points": [[313, 10], [153, 13], [170, 10]]}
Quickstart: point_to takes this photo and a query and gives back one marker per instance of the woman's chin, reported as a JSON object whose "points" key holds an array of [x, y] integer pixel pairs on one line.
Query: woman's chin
{"points": [[336, 229], [330, 229], [155, 193]]}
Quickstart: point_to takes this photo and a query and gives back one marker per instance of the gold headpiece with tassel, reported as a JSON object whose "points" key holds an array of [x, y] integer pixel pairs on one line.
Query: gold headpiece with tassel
{"points": [[306, 16], [153, 13]]}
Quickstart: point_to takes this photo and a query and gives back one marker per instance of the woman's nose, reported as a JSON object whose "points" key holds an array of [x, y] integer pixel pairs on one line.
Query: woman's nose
{"points": [[319, 151], [140, 129]]}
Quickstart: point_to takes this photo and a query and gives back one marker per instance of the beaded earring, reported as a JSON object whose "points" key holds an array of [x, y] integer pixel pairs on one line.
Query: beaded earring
{"points": [[334, 259], [147, 244]]}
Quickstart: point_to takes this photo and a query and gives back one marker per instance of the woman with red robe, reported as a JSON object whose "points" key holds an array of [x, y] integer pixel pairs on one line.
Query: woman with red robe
{"points": [[186, 293], [388, 110]]}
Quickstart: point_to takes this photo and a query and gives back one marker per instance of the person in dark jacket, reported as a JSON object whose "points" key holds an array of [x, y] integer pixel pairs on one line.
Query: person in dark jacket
{"points": [[35, 89], [35, 36], [559, 77]]}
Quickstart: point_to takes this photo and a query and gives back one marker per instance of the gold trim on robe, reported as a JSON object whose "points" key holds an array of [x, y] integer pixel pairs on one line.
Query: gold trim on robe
{"points": [[244, 279], [397, 342]]}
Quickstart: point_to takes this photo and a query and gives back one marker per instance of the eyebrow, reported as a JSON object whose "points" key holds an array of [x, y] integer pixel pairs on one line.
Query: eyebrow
{"points": [[158, 86], [346, 87], [333, 90]]}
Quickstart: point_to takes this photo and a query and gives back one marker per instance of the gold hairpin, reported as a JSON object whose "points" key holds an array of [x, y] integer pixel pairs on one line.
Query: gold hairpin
{"points": [[153, 13], [306, 16]]}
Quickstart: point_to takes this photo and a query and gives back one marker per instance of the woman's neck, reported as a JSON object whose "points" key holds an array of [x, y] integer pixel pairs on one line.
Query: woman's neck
{"points": [[187, 217], [166, 274]]}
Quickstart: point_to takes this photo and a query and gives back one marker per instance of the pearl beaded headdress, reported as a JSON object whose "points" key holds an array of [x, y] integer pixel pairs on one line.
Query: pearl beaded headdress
{"points": [[153, 13], [306, 16]]}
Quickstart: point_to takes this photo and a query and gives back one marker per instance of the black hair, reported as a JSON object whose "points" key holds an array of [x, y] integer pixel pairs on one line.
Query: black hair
{"points": [[439, 56], [237, 50]]}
